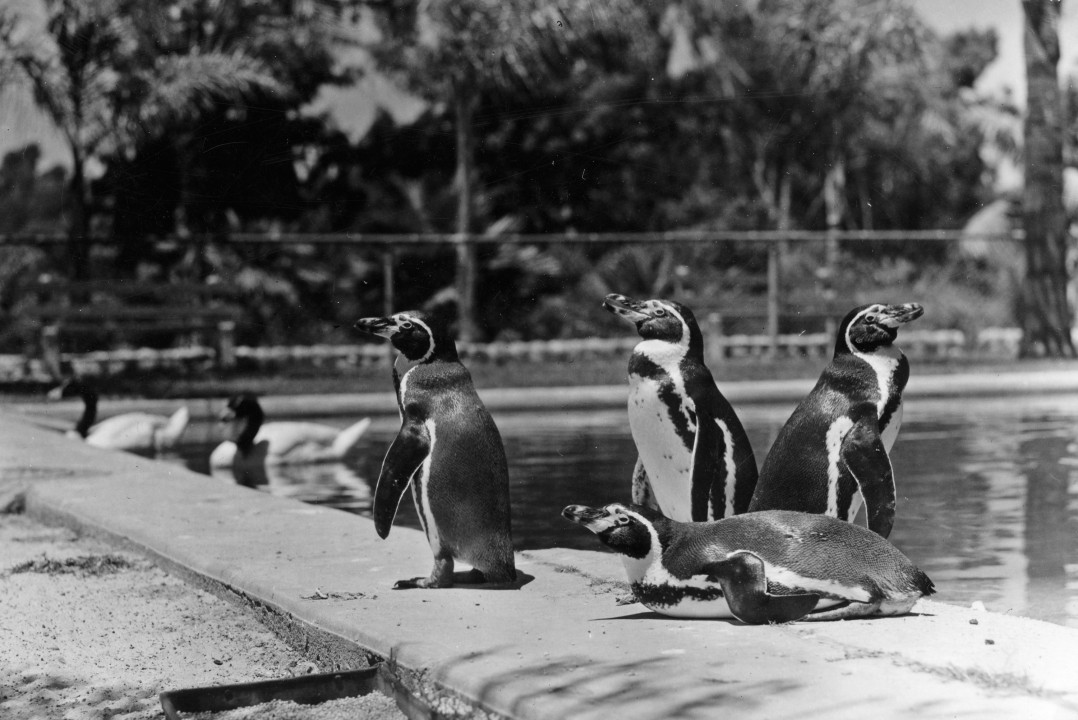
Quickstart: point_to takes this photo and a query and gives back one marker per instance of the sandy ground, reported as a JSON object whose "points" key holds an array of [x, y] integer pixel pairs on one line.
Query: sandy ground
{"points": [[87, 632]]}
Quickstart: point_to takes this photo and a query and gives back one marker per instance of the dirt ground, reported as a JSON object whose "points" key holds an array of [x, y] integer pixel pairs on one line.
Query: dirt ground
{"points": [[87, 632]]}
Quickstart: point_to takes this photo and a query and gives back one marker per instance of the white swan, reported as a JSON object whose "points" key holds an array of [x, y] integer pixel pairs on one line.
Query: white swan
{"points": [[280, 443], [134, 431]]}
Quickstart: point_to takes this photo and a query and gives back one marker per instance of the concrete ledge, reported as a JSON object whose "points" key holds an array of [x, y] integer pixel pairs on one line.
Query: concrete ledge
{"points": [[757, 392], [559, 647]]}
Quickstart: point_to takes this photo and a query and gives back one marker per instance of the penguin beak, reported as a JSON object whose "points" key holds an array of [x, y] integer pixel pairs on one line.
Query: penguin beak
{"points": [[626, 307], [591, 518], [894, 315], [381, 326]]}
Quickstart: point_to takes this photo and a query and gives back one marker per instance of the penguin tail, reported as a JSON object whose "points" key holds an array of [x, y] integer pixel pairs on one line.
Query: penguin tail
{"points": [[348, 437], [922, 582]]}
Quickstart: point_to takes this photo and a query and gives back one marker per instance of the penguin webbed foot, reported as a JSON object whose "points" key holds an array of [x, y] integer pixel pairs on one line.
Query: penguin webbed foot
{"points": [[453, 579], [418, 582]]}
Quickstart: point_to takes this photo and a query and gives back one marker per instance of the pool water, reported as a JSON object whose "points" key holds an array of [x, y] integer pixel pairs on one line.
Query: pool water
{"points": [[987, 489]]}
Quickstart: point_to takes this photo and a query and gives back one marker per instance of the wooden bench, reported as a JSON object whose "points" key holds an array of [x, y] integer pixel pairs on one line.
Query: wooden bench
{"points": [[117, 312]]}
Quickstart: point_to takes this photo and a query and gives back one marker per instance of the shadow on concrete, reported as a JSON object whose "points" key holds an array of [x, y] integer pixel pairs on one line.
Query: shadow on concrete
{"points": [[651, 615], [577, 685], [464, 580]]}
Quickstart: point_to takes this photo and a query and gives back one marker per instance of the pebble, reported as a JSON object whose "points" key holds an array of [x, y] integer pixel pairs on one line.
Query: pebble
{"points": [[373, 706]]}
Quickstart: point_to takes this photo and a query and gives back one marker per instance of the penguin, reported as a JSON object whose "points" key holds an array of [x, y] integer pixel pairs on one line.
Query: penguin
{"points": [[258, 444], [695, 461], [450, 452], [136, 432], [832, 453], [771, 566]]}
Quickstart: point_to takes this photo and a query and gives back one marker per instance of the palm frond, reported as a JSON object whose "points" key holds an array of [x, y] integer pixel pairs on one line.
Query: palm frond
{"points": [[180, 88]]}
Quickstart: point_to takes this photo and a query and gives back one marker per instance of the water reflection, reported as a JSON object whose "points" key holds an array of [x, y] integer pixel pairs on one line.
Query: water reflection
{"points": [[334, 483], [987, 490]]}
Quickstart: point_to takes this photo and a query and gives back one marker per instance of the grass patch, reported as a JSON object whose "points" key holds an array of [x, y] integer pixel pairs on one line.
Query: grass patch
{"points": [[81, 565], [1005, 682]]}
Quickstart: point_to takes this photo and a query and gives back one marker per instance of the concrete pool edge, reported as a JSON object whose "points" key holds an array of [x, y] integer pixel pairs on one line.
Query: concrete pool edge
{"points": [[763, 392], [559, 647]]}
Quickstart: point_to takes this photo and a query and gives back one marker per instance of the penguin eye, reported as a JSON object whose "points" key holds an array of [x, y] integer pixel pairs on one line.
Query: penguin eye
{"points": [[870, 318], [660, 312], [406, 325], [623, 520]]}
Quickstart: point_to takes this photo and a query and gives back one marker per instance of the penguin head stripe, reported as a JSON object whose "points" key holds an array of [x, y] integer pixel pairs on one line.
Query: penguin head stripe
{"points": [[658, 319], [620, 528], [403, 318], [418, 336], [866, 328]]}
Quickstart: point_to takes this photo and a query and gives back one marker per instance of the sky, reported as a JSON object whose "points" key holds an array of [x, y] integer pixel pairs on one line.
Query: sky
{"points": [[20, 123], [1005, 16]]}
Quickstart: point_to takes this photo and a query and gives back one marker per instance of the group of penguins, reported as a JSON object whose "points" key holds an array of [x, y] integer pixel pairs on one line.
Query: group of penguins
{"points": [[706, 534]]}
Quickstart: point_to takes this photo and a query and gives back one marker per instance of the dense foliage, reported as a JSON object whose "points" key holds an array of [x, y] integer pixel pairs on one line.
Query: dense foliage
{"points": [[581, 116]]}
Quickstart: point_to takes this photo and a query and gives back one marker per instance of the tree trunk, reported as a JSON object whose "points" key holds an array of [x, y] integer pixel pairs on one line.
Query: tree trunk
{"points": [[1044, 313], [78, 232], [467, 259]]}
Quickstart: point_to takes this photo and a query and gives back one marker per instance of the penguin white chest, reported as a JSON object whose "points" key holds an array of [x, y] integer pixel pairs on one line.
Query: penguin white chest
{"points": [[658, 590], [659, 422], [421, 476], [884, 363]]}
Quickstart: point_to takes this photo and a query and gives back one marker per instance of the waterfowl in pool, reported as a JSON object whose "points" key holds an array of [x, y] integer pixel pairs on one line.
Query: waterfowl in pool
{"points": [[280, 443], [137, 432]]}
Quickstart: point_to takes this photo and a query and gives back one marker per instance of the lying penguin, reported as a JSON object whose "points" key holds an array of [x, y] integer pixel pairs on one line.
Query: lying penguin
{"points": [[832, 452], [775, 566], [450, 452], [695, 461]]}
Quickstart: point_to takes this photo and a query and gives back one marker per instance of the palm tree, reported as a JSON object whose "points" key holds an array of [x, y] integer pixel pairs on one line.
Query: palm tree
{"points": [[1044, 313], [457, 52], [106, 89]]}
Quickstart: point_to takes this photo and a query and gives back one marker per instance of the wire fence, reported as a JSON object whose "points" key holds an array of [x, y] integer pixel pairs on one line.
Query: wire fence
{"points": [[763, 313]]}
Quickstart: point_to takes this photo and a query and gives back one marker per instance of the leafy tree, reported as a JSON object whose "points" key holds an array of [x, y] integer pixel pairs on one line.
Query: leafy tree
{"points": [[91, 75], [1045, 315], [459, 52]]}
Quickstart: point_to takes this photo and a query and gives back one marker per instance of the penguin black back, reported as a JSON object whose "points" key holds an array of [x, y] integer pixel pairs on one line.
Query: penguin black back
{"points": [[833, 451]]}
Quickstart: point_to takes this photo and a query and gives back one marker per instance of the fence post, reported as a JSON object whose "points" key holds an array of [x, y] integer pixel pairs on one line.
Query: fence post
{"points": [[774, 260], [226, 344], [389, 299], [50, 349]]}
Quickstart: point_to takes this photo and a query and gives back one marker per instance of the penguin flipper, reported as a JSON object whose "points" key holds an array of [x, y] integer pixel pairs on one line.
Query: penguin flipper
{"points": [[408, 451], [642, 493], [744, 585], [708, 469], [865, 456]]}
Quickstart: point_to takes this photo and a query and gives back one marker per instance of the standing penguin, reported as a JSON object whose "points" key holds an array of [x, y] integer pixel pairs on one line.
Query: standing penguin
{"points": [[449, 450], [832, 452], [695, 461]]}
